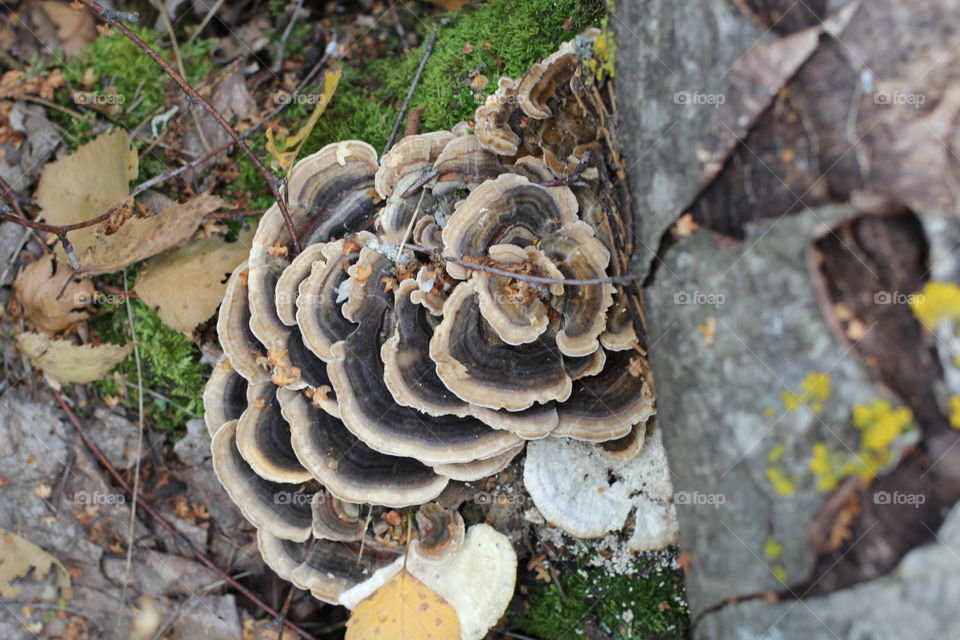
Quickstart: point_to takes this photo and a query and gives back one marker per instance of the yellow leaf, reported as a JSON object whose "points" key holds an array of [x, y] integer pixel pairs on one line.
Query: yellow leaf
{"points": [[70, 362], [285, 157], [404, 609], [186, 285], [18, 557]]}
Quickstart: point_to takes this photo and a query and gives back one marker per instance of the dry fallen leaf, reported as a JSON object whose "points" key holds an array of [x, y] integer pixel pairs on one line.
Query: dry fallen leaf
{"points": [[52, 297], [85, 184], [19, 557], [74, 28], [286, 155], [140, 238], [404, 609], [68, 362], [187, 284]]}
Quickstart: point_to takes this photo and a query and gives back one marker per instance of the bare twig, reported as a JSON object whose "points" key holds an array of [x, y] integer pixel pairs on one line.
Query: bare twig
{"points": [[183, 73], [164, 523], [205, 21], [220, 215], [136, 472], [413, 86], [413, 220], [278, 63], [98, 11], [293, 589], [586, 282], [14, 200]]}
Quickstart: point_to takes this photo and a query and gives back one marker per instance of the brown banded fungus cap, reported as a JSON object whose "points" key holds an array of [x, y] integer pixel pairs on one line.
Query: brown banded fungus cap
{"points": [[361, 375]]}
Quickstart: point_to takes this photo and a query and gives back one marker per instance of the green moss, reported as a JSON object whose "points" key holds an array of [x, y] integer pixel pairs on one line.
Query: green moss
{"points": [[171, 366], [497, 38], [622, 607]]}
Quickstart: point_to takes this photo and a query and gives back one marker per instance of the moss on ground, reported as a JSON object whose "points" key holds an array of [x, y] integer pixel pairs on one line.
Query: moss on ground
{"points": [[621, 607], [170, 361], [497, 38]]}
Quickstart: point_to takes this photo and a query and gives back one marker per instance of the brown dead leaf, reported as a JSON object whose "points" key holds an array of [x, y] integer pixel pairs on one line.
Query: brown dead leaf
{"points": [[187, 284], [141, 238], [68, 362], [85, 184], [17, 84], [74, 28], [52, 297]]}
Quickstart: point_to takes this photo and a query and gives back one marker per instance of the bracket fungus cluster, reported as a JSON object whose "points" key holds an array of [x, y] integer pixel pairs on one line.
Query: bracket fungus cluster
{"points": [[452, 301]]}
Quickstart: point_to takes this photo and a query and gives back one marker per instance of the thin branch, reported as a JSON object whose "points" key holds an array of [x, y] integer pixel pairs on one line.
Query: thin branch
{"points": [[136, 472], [278, 63], [11, 195], [625, 279], [192, 95], [413, 85], [163, 522], [205, 21], [221, 215]]}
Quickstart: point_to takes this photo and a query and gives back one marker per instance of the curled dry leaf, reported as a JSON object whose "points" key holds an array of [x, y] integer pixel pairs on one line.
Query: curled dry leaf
{"points": [[404, 609], [140, 238], [19, 557], [186, 285], [68, 362], [53, 298]]}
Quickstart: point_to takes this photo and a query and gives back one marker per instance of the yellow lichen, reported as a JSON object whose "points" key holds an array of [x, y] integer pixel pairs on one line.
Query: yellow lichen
{"points": [[955, 412], [603, 63], [776, 453], [938, 301], [780, 573], [772, 549], [827, 467], [881, 424], [815, 390], [782, 483]]}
